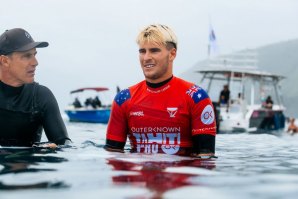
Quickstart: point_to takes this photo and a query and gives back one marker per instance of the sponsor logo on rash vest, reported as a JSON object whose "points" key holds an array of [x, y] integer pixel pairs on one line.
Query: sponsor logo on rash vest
{"points": [[172, 111], [137, 113], [150, 139], [207, 116]]}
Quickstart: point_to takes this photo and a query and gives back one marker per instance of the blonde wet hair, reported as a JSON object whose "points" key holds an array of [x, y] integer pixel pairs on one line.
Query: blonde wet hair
{"points": [[157, 33]]}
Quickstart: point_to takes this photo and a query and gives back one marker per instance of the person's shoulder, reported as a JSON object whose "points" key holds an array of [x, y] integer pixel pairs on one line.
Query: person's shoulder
{"points": [[137, 86], [42, 90], [193, 91], [41, 87], [182, 82], [187, 85], [122, 96], [126, 94]]}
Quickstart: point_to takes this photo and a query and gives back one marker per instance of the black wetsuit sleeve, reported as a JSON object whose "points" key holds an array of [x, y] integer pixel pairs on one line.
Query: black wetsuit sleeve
{"points": [[203, 143], [111, 144], [52, 121]]}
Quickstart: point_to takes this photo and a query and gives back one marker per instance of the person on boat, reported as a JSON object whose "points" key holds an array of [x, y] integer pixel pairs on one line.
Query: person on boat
{"points": [[118, 89], [239, 99], [163, 113], [268, 103], [292, 128], [224, 96], [96, 102], [26, 107], [88, 102], [77, 103]]}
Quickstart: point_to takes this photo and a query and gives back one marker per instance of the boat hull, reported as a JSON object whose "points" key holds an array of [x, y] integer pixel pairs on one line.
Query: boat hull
{"points": [[254, 121], [92, 116]]}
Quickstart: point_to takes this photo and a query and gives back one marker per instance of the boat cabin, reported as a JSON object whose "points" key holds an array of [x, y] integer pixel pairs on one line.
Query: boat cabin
{"points": [[255, 101]]}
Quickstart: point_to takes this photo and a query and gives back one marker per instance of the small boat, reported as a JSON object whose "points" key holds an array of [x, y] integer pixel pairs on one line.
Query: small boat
{"points": [[246, 110], [93, 110]]}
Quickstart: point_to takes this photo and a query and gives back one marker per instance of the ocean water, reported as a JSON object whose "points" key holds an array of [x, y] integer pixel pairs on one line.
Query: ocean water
{"points": [[248, 166]]}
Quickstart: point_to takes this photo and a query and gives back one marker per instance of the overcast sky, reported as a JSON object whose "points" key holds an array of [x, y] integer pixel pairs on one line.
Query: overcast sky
{"points": [[92, 42]]}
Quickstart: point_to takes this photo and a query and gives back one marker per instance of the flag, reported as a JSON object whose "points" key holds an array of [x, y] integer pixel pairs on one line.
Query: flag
{"points": [[212, 37], [122, 96], [212, 46]]}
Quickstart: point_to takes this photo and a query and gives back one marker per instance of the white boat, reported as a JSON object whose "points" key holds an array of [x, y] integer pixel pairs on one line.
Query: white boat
{"points": [[245, 111]]}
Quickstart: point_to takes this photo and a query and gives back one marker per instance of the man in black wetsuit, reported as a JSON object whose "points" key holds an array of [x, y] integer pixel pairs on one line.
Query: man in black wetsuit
{"points": [[25, 106]]}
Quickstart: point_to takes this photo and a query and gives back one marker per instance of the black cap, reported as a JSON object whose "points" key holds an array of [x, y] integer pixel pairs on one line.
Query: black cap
{"points": [[18, 40]]}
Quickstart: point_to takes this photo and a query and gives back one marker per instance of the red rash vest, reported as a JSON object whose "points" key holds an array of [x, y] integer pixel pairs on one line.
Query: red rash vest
{"points": [[161, 120]]}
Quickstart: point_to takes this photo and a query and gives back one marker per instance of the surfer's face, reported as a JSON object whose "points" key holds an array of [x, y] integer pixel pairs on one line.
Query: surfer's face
{"points": [[156, 61]]}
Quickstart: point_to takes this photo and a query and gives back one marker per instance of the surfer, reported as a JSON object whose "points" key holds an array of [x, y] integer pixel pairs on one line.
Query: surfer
{"points": [[163, 113], [26, 107]]}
